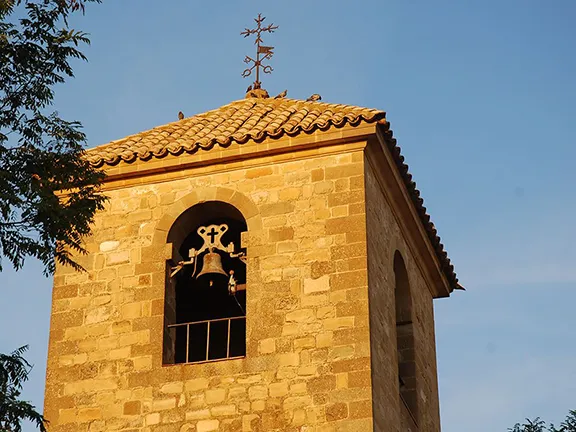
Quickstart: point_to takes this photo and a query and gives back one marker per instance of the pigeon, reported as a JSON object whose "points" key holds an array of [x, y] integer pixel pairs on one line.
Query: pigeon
{"points": [[249, 89], [281, 95], [180, 115], [315, 97]]}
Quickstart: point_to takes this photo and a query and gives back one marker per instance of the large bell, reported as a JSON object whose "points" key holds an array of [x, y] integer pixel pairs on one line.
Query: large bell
{"points": [[212, 265]]}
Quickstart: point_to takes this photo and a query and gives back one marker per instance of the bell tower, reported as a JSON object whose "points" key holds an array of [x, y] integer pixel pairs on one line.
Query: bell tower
{"points": [[265, 266]]}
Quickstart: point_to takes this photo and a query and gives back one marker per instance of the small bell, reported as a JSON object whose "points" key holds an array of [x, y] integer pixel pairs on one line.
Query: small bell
{"points": [[212, 265]]}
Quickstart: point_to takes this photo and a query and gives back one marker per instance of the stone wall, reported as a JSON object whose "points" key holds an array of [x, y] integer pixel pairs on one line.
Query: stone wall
{"points": [[384, 239], [307, 366]]}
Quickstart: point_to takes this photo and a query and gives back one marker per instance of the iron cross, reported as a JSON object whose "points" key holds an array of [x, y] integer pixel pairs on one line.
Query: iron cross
{"points": [[212, 234], [267, 51]]}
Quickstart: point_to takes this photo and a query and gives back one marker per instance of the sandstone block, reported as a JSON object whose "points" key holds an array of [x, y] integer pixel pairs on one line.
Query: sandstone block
{"points": [[215, 396], [163, 404], [120, 353], [131, 310], [360, 409], [289, 359], [198, 414], [307, 342], [278, 389], [67, 415], [317, 174], [132, 408], [258, 392], [258, 405], [301, 315], [317, 285], [294, 402], [207, 425], [152, 419], [173, 387], [336, 411], [267, 346], [109, 246], [116, 258], [281, 234], [342, 352], [223, 410], [337, 323]]}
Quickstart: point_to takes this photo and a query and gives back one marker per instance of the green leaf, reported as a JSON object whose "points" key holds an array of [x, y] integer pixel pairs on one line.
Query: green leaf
{"points": [[41, 154]]}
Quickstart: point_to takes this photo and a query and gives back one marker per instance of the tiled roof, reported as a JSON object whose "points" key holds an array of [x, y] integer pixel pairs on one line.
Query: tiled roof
{"points": [[257, 119], [445, 264], [238, 122]]}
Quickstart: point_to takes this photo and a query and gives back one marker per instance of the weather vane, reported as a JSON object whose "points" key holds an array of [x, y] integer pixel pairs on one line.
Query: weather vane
{"points": [[265, 51]]}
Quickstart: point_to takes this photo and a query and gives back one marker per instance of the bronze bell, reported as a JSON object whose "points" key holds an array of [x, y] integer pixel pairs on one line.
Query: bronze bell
{"points": [[212, 265]]}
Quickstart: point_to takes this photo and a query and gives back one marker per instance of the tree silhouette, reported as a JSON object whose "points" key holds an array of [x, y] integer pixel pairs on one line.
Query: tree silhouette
{"points": [[14, 370], [41, 154], [537, 425]]}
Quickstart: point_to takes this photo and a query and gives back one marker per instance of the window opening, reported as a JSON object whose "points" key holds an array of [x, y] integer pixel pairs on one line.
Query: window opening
{"points": [[208, 320], [405, 337]]}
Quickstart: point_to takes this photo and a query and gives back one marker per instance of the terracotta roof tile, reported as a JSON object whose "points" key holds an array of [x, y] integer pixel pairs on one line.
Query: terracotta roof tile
{"points": [[257, 119], [237, 122]]}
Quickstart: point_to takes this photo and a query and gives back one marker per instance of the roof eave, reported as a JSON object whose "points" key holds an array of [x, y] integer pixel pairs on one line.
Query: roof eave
{"points": [[236, 153], [435, 258]]}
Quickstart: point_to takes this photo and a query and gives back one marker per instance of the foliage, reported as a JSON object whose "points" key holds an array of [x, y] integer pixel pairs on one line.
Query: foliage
{"points": [[537, 425], [14, 370], [41, 154]]}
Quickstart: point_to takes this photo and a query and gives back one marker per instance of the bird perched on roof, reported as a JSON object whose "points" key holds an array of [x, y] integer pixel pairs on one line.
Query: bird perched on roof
{"points": [[315, 97], [249, 89], [281, 95], [180, 115]]}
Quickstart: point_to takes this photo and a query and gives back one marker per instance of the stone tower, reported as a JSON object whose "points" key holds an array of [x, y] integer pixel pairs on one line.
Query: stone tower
{"points": [[326, 323]]}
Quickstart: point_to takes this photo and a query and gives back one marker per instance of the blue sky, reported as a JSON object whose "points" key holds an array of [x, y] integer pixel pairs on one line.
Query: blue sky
{"points": [[481, 98]]}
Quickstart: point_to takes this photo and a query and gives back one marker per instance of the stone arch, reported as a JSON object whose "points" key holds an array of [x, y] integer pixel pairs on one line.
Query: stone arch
{"points": [[395, 245], [237, 199], [162, 238]]}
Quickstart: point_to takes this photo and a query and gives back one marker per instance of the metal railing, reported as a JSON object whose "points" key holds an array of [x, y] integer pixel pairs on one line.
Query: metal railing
{"points": [[208, 323]]}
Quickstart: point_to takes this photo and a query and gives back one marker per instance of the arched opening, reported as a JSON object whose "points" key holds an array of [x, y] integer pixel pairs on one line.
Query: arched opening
{"points": [[405, 337], [205, 307]]}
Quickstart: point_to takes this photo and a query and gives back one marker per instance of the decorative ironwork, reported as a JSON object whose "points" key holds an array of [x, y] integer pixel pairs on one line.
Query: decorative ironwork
{"points": [[266, 51], [212, 235]]}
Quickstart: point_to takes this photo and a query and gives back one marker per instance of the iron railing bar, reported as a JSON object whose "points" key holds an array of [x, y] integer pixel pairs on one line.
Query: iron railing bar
{"points": [[205, 321], [228, 342], [208, 323], [208, 341], [214, 360], [187, 342]]}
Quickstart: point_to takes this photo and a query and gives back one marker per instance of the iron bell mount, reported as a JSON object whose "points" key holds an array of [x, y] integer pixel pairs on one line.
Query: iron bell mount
{"points": [[212, 261]]}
